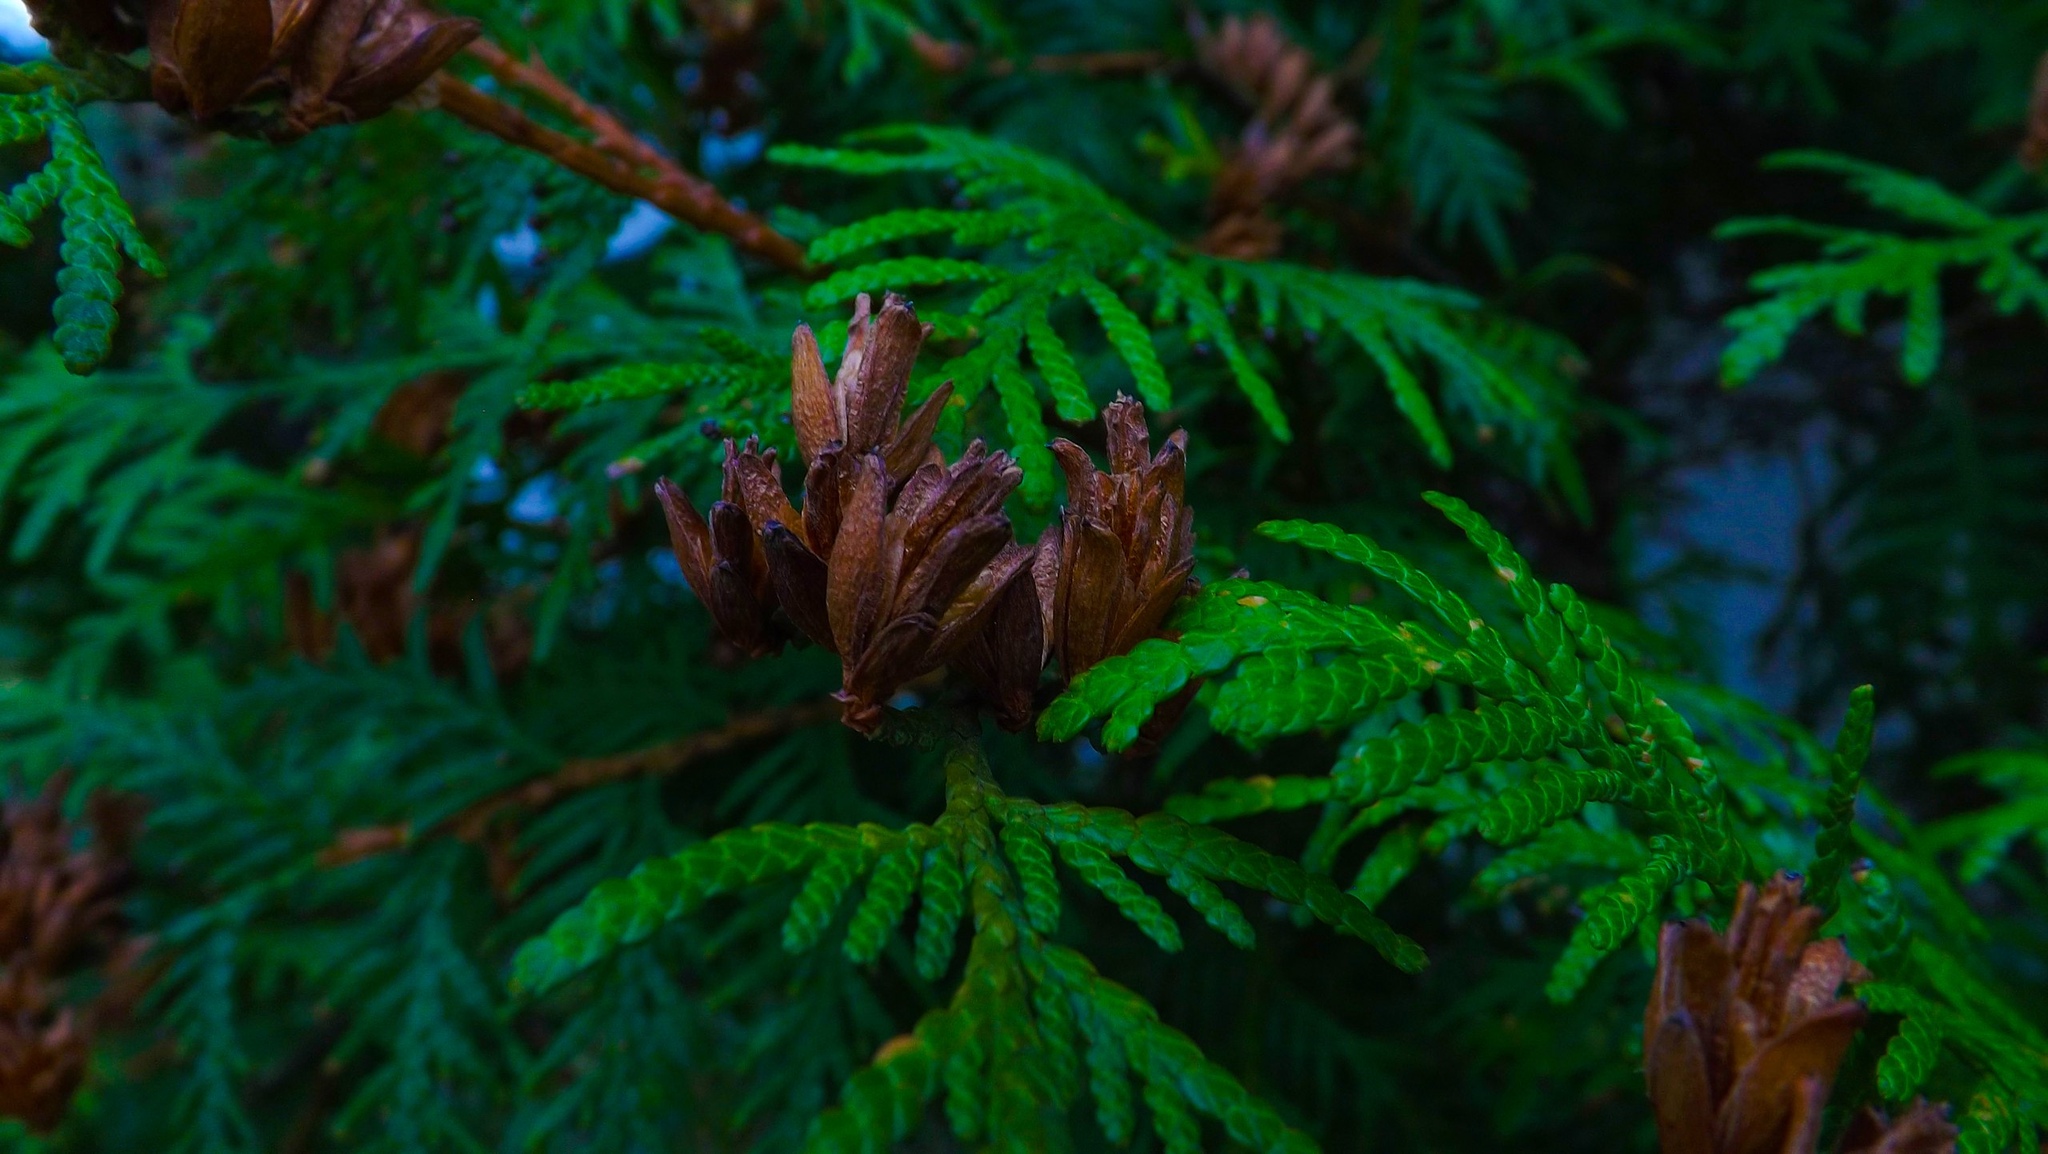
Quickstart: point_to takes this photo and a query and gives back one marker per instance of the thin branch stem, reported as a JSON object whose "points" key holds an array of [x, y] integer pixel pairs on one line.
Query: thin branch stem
{"points": [[473, 824], [951, 56], [614, 158]]}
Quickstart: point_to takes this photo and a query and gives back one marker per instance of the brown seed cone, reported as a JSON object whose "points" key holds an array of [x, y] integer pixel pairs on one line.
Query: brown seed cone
{"points": [[2034, 148], [1296, 133], [723, 559], [1005, 659], [42, 1063], [898, 561], [277, 68], [859, 409], [59, 913], [1109, 570], [904, 586], [1924, 1129], [57, 902], [1744, 1031]]}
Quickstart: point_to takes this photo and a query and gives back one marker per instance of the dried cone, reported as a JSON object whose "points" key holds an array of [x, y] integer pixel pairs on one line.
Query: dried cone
{"points": [[2034, 148], [1744, 1032], [723, 559], [906, 583], [1924, 1129], [278, 68], [858, 410], [1005, 659], [42, 1057], [55, 901], [1111, 567], [1297, 131], [897, 560], [59, 911]]}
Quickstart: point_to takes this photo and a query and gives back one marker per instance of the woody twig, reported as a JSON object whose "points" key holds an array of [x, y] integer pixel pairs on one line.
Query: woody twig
{"points": [[614, 157], [475, 822], [951, 56]]}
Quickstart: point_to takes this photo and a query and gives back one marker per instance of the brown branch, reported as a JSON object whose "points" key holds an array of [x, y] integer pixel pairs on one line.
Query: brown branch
{"points": [[950, 56], [474, 822], [615, 158]]}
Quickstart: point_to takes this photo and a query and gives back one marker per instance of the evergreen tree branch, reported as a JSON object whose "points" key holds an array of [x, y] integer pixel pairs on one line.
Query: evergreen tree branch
{"points": [[473, 823], [616, 158]]}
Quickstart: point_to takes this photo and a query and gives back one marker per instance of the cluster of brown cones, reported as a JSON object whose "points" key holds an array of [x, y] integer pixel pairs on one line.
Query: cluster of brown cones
{"points": [[277, 68], [1745, 1031], [1297, 131], [60, 918], [901, 562]]}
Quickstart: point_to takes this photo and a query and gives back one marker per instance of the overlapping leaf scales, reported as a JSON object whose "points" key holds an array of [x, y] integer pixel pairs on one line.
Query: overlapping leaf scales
{"points": [[1835, 844], [1419, 753], [880, 1105], [942, 903], [891, 886], [1910, 1056], [1032, 859], [625, 910], [1448, 606], [1232, 797], [1169, 1064], [1079, 241], [629, 382], [97, 227], [1616, 911], [1552, 792], [1280, 691], [1219, 625], [1107, 878]]}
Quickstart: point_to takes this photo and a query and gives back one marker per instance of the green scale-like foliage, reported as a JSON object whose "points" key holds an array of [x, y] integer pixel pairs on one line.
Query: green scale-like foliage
{"points": [[1559, 720], [39, 103], [1008, 1051], [1835, 843], [1047, 235], [1950, 1022], [1958, 1032], [1857, 264]]}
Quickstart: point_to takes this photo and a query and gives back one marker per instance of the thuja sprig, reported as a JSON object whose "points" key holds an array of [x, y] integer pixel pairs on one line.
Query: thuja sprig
{"points": [[39, 103], [1039, 235], [901, 562], [1028, 1014], [1551, 699]]}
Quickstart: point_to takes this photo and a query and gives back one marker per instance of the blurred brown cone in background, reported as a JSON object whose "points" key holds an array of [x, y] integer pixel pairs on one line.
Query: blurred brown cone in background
{"points": [[277, 68], [42, 1057], [1744, 1032], [1297, 131], [60, 916], [1924, 1129], [2034, 148]]}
